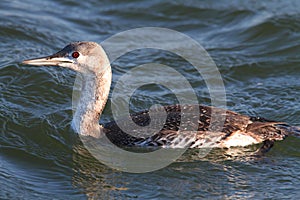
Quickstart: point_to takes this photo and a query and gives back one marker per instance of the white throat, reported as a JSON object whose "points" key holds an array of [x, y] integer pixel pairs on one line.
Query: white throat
{"points": [[93, 97]]}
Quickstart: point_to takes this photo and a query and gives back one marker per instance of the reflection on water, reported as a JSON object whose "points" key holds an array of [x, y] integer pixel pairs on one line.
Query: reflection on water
{"points": [[255, 45], [222, 170]]}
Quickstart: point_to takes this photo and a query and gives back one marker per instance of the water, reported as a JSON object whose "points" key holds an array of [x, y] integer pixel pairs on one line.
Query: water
{"points": [[255, 45]]}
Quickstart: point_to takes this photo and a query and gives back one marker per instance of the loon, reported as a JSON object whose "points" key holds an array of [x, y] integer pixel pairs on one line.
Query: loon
{"points": [[89, 59]]}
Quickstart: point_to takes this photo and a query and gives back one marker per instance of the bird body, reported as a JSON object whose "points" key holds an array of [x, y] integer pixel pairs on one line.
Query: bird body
{"points": [[89, 59], [237, 130]]}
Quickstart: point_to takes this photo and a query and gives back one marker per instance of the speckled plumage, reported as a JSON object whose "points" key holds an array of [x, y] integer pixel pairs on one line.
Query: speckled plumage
{"points": [[93, 64], [235, 124]]}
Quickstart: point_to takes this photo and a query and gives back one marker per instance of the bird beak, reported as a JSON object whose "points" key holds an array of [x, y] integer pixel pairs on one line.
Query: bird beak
{"points": [[53, 60]]}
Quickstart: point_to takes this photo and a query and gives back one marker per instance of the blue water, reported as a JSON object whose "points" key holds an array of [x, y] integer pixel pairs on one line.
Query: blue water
{"points": [[254, 44]]}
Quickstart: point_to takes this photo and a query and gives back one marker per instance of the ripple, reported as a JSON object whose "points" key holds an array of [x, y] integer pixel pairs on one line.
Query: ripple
{"points": [[255, 45]]}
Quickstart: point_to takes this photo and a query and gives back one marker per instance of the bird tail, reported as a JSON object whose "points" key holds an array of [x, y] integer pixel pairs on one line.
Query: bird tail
{"points": [[279, 132], [289, 130]]}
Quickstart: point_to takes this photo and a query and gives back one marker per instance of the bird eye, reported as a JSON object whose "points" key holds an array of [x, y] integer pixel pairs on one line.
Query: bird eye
{"points": [[75, 54]]}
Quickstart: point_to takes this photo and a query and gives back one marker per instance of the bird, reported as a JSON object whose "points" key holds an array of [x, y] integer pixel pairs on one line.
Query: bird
{"points": [[90, 60]]}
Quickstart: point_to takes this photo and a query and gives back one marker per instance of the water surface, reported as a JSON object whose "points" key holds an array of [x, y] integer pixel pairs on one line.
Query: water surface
{"points": [[254, 44]]}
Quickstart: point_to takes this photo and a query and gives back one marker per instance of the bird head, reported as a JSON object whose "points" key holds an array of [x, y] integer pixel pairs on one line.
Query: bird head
{"points": [[84, 57]]}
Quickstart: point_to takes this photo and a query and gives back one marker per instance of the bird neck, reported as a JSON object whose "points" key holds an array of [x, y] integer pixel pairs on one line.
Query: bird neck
{"points": [[93, 97]]}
